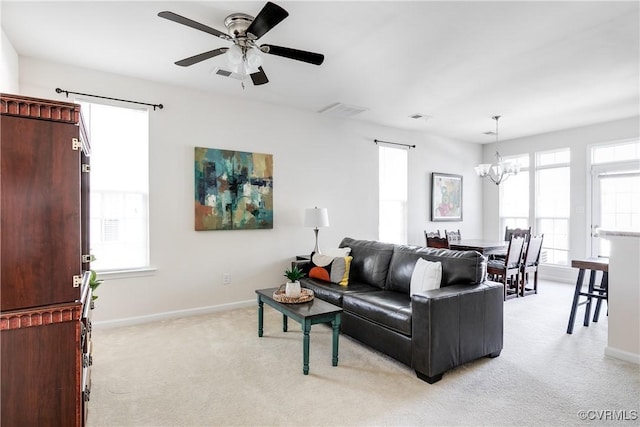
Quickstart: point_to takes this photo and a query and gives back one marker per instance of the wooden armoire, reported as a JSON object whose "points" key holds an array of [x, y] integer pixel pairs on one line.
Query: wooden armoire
{"points": [[45, 297]]}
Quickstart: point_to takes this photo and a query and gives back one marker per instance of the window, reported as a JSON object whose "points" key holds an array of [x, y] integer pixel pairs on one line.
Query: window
{"points": [[553, 204], [514, 196], [119, 186], [392, 172], [615, 197], [612, 153]]}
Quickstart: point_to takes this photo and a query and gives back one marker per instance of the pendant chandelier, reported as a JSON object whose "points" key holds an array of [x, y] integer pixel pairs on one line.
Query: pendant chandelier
{"points": [[499, 171]]}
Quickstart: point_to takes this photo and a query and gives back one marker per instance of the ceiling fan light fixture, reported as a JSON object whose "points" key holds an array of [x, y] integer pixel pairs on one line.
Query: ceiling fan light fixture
{"points": [[234, 55], [241, 69], [254, 59]]}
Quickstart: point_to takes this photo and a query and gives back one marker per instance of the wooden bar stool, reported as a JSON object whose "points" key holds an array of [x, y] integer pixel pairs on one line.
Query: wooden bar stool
{"points": [[599, 292]]}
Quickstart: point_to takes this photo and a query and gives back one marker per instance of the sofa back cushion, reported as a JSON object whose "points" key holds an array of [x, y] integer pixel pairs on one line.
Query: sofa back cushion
{"points": [[458, 267], [370, 262]]}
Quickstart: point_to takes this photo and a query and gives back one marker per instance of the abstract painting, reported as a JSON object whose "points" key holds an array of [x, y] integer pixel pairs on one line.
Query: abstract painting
{"points": [[446, 197], [233, 190]]}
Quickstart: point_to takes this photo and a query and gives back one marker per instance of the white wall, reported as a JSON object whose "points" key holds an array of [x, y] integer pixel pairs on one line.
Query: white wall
{"points": [[438, 154], [318, 161], [578, 140], [9, 69]]}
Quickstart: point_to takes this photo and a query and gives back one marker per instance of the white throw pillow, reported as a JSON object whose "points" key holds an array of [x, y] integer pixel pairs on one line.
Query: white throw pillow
{"points": [[426, 276], [337, 252]]}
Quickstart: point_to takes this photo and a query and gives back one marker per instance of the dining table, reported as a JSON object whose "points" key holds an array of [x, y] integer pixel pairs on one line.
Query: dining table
{"points": [[485, 247]]}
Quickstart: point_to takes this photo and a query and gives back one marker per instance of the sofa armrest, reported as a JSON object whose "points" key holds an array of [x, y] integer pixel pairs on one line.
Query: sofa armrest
{"points": [[454, 325]]}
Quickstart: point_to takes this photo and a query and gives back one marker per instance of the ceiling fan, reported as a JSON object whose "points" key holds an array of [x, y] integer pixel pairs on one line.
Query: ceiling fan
{"points": [[244, 30]]}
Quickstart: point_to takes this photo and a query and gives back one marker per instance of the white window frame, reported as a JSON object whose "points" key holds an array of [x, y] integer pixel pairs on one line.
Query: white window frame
{"points": [[144, 269], [398, 197], [536, 228], [511, 221]]}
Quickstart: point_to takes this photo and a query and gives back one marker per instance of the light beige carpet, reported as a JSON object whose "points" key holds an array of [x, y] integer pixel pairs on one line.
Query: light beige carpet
{"points": [[213, 370]]}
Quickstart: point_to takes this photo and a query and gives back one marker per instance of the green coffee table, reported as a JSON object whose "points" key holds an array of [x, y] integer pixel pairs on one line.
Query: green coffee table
{"points": [[307, 314]]}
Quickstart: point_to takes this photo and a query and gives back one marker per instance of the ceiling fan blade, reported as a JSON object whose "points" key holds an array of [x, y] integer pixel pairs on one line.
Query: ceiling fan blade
{"points": [[270, 16], [201, 57], [298, 55], [259, 77], [193, 24]]}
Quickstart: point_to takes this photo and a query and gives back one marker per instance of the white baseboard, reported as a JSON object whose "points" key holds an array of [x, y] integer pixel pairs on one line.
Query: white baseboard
{"points": [[558, 274], [622, 355], [128, 321]]}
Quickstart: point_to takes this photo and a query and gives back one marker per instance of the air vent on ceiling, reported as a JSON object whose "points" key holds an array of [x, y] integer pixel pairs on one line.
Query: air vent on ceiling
{"points": [[226, 73], [342, 110], [417, 116]]}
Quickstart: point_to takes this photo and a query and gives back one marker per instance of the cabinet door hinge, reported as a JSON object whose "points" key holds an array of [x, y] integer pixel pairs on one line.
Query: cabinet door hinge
{"points": [[75, 144], [86, 168], [77, 281], [86, 258]]}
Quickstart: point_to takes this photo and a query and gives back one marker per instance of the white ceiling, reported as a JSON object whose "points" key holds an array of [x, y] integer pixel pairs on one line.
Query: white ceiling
{"points": [[543, 66]]}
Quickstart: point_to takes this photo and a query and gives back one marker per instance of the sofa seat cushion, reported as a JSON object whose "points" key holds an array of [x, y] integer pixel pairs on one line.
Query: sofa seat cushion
{"points": [[332, 292], [387, 308]]}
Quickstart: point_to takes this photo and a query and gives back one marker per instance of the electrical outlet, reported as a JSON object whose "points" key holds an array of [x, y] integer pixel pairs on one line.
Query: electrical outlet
{"points": [[226, 279]]}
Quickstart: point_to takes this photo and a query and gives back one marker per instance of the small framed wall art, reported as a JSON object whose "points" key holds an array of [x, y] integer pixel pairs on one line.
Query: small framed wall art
{"points": [[446, 197]]}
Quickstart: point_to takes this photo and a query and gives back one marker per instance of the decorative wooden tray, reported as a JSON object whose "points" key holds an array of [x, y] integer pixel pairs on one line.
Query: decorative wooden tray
{"points": [[306, 296]]}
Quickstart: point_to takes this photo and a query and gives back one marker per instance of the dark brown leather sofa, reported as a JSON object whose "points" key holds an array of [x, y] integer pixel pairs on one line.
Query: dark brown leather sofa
{"points": [[431, 332]]}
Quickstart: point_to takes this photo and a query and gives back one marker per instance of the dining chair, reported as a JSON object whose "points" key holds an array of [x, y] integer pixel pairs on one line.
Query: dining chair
{"points": [[518, 232], [453, 236], [437, 242], [428, 234], [507, 270], [530, 261]]}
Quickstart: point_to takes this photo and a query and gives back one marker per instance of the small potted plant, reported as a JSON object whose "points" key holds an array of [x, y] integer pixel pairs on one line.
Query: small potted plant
{"points": [[94, 282], [294, 274]]}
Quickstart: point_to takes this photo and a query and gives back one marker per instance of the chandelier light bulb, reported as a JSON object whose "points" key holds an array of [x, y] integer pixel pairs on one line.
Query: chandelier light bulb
{"points": [[483, 169]]}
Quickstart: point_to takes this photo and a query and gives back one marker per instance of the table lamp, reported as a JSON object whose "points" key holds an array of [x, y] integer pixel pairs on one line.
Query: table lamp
{"points": [[316, 217]]}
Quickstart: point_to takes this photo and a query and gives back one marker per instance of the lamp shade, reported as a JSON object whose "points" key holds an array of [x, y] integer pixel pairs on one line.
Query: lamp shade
{"points": [[316, 217]]}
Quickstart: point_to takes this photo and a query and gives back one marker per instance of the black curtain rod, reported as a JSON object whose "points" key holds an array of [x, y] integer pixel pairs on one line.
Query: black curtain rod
{"points": [[394, 143], [67, 92]]}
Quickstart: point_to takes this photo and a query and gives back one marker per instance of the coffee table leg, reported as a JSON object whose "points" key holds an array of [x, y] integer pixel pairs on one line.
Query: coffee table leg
{"points": [[260, 311], [335, 323], [285, 323], [306, 328]]}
